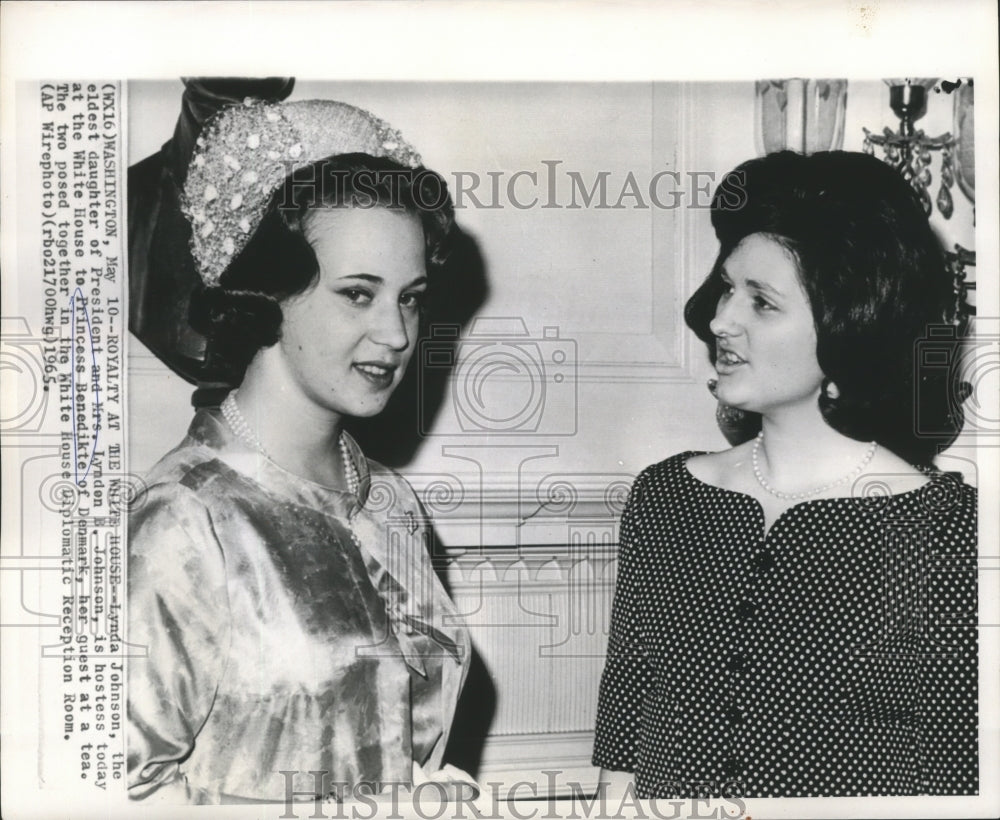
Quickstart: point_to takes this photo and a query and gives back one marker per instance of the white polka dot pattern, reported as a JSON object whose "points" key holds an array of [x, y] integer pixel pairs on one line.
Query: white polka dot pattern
{"points": [[836, 656]]}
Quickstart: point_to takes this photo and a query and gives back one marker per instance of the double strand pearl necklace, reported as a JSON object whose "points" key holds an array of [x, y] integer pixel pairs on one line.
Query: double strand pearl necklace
{"points": [[238, 424], [869, 455]]}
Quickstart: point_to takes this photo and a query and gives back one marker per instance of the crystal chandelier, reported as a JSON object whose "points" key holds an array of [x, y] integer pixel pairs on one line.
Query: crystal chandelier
{"points": [[909, 150]]}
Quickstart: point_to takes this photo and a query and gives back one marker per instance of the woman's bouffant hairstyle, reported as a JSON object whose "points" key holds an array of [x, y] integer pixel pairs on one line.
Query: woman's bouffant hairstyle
{"points": [[243, 313], [876, 279]]}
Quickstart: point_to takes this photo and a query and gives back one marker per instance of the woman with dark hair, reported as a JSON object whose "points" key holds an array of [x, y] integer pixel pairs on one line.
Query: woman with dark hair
{"points": [[297, 641], [795, 616]]}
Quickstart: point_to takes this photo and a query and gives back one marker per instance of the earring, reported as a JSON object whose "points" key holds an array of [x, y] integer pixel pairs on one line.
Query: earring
{"points": [[724, 414], [735, 424], [729, 417], [830, 390]]}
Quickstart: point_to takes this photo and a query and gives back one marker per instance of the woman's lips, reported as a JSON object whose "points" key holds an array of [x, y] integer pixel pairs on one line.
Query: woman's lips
{"points": [[379, 375], [726, 361]]}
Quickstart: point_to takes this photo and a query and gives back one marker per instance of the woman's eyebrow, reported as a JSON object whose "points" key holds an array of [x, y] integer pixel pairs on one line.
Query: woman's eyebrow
{"points": [[367, 277], [378, 280], [764, 286], [752, 283]]}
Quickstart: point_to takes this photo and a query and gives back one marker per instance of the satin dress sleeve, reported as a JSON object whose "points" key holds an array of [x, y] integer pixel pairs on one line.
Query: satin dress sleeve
{"points": [[177, 593]]}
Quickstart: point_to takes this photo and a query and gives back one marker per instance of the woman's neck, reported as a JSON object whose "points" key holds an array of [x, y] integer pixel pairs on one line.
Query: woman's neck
{"points": [[294, 431], [802, 451]]}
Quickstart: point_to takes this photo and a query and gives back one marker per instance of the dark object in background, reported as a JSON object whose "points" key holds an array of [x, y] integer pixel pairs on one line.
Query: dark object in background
{"points": [[736, 425], [161, 271]]}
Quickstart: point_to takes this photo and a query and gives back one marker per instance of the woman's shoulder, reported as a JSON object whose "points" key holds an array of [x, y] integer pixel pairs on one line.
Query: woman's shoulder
{"points": [[939, 495], [184, 471], [182, 481], [950, 503], [687, 469], [197, 449], [172, 488], [715, 468], [170, 516]]}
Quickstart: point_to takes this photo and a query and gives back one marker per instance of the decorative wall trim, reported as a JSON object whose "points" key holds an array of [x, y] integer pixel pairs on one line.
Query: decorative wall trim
{"points": [[475, 511], [539, 620]]}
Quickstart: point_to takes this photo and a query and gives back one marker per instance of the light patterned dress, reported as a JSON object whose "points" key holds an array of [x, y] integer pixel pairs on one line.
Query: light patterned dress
{"points": [[290, 628]]}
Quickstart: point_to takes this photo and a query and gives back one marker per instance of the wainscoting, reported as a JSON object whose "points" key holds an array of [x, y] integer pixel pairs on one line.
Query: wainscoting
{"points": [[539, 621]]}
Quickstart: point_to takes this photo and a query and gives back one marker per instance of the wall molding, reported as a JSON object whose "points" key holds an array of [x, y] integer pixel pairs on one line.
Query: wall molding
{"points": [[539, 618]]}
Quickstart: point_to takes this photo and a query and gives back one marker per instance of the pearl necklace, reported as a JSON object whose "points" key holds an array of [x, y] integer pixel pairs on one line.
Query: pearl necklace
{"points": [[869, 455], [238, 424]]}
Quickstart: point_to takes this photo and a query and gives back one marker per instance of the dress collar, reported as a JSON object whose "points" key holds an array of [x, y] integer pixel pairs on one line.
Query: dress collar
{"points": [[210, 429]]}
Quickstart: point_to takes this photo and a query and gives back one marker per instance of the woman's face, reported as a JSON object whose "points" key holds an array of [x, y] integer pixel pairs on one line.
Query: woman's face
{"points": [[348, 338], [764, 331]]}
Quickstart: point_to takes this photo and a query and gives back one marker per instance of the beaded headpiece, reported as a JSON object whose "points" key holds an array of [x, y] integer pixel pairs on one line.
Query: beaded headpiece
{"points": [[244, 154]]}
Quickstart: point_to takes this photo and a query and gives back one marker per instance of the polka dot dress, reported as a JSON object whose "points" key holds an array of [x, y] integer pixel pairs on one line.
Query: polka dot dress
{"points": [[836, 656]]}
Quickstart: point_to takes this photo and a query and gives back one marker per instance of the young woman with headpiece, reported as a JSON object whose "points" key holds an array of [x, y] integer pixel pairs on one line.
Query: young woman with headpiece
{"points": [[297, 640], [795, 616]]}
